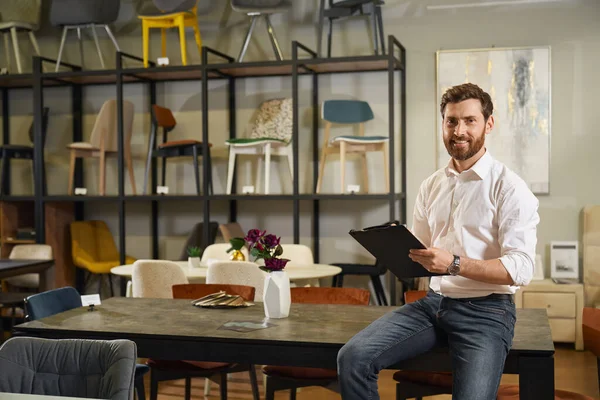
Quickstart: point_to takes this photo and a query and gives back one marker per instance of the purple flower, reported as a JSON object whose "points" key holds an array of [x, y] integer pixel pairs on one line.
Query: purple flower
{"points": [[271, 241], [253, 236], [275, 264]]}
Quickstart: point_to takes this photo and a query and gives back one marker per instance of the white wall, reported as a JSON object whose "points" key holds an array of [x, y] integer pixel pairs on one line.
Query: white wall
{"points": [[571, 28]]}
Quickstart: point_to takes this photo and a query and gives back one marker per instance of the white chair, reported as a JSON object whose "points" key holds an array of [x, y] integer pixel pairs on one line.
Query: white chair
{"points": [[29, 252], [237, 273], [19, 16], [298, 254], [218, 252], [154, 279], [271, 136]]}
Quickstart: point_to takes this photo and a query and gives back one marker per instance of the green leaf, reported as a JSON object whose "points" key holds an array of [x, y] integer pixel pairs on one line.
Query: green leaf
{"points": [[194, 251], [236, 243], [278, 251]]}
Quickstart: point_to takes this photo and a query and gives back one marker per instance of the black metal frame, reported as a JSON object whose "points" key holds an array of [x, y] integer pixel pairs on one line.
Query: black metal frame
{"points": [[225, 68]]}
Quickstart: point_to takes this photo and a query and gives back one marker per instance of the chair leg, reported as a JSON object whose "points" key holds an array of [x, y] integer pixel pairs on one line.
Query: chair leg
{"points": [[342, 166], [230, 169], [13, 33], [379, 290], [386, 167], [97, 46], [102, 182], [198, 37], [61, 48], [269, 389], [139, 388], [100, 276], [293, 394], [80, 39], [153, 384], [329, 34], [7, 50], [273, 38], [34, 43], [365, 173], [223, 386], [164, 171], [112, 37], [380, 24], [188, 388], [254, 383], [321, 169], [267, 167], [248, 36], [320, 27], [196, 172], [71, 172], [129, 163], [373, 21], [290, 157], [181, 23], [145, 42], [110, 283]]}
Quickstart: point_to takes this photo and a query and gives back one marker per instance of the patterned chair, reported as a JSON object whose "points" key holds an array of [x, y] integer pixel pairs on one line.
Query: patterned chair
{"points": [[17, 16], [271, 135]]}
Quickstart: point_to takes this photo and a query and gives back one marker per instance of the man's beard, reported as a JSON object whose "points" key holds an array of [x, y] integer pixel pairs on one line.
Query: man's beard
{"points": [[466, 153]]}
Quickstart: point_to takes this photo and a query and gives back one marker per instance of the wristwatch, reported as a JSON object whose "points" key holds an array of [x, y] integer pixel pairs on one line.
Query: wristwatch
{"points": [[454, 268]]}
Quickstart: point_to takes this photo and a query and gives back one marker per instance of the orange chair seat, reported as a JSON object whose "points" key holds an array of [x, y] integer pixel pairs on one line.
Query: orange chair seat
{"points": [[299, 372], [101, 267], [440, 379], [511, 392], [186, 365], [183, 142]]}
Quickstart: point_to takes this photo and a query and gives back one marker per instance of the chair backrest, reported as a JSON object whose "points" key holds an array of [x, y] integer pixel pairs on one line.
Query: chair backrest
{"points": [[27, 11], [45, 113], [411, 296], [31, 252], [171, 6], [195, 238], [92, 241], [297, 254], [346, 111], [591, 330], [196, 290], [105, 127], [328, 295], [163, 117], [274, 120], [218, 251], [155, 278], [102, 369], [231, 230], [45, 304], [84, 12], [237, 273]]}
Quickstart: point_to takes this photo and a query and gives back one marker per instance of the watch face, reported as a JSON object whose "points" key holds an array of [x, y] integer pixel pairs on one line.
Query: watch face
{"points": [[453, 269]]}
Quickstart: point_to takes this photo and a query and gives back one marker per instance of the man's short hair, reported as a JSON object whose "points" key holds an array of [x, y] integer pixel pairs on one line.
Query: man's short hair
{"points": [[467, 91]]}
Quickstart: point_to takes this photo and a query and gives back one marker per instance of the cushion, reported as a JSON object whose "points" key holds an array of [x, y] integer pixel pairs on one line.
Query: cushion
{"points": [[299, 372], [250, 141], [274, 120], [360, 139]]}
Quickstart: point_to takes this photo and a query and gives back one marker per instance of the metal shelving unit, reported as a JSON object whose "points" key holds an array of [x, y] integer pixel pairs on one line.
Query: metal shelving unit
{"points": [[215, 66]]}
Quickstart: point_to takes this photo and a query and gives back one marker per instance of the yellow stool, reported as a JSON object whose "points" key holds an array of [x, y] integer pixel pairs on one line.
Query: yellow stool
{"points": [[181, 20]]}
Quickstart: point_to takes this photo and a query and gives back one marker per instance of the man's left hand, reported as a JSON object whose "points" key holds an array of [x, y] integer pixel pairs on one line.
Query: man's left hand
{"points": [[432, 259]]}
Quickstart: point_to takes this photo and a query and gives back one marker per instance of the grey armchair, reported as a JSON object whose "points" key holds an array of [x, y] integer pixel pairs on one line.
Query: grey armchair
{"points": [[255, 9], [69, 367], [80, 14], [19, 16]]}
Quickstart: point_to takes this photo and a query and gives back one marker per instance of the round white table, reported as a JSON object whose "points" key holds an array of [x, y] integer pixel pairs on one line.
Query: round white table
{"points": [[295, 272]]}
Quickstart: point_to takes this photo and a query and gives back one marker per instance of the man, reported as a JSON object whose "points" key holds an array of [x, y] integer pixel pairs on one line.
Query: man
{"points": [[478, 220]]}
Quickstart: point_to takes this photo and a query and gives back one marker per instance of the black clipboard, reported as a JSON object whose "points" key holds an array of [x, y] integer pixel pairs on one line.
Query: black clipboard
{"points": [[390, 244]]}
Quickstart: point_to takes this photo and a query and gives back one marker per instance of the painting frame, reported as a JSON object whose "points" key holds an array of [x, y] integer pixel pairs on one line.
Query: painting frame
{"points": [[522, 137]]}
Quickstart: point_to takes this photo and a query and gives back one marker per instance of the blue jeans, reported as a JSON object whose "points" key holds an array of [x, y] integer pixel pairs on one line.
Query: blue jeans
{"points": [[477, 331]]}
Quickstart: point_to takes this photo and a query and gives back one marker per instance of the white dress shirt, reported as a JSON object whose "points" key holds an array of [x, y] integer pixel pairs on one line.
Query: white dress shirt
{"points": [[483, 213]]}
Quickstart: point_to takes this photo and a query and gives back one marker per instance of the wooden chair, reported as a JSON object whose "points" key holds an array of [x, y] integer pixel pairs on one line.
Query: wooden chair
{"points": [[232, 230], [282, 378], [163, 117], [351, 112], [178, 14], [271, 136], [167, 370], [103, 143]]}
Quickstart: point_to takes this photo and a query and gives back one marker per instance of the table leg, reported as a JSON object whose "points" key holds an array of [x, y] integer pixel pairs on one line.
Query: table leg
{"points": [[536, 378]]}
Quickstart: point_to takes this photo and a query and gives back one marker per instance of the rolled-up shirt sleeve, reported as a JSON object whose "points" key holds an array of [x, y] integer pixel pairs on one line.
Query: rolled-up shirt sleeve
{"points": [[420, 224], [517, 232]]}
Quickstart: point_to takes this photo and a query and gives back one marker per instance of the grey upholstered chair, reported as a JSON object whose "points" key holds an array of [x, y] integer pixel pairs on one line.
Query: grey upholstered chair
{"points": [[255, 9], [195, 238], [80, 14], [17, 16], [70, 367]]}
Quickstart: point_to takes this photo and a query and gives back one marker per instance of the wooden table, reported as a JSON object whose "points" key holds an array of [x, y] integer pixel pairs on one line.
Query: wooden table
{"points": [[311, 336], [10, 268]]}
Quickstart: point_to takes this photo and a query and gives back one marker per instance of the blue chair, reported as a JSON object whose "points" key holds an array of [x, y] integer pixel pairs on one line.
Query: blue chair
{"points": [[351, 112], [55, 301]]}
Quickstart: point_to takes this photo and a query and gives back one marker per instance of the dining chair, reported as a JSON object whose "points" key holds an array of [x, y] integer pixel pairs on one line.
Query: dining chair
{"points": [[93, 249], [102, 369], [237, 273], [256, 9], [19, 16], [55, 301], [195, 238], [351, 112], [154, 279], [81, 14], [10, 152], [178, 14], [103, 143], [232, 230], [282, 378], [347, 8], [271, 136], [163, 118], [28, 252], [375, 272]]}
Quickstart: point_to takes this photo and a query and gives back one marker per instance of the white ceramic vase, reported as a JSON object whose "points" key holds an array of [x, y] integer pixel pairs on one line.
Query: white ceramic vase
{"points": [[194, 262], [276, 295]]}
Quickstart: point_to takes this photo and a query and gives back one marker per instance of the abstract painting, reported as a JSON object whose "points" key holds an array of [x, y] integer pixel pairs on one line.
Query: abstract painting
{"points": [[518, 80]]}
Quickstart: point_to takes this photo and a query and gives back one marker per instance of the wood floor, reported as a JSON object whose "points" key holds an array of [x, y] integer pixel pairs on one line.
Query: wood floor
{"points": [[574, 370]]}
